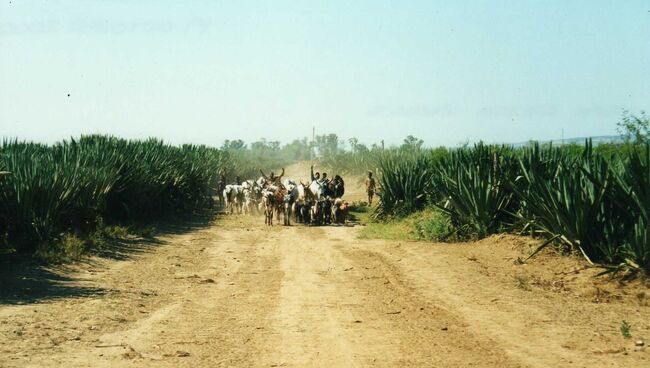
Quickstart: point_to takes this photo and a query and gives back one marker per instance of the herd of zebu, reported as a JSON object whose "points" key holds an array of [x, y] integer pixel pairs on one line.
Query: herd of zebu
{"points": [[318, 202]]}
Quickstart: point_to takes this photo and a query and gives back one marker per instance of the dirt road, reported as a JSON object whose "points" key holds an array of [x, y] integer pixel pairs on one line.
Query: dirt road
{"points": [[233, 293]]}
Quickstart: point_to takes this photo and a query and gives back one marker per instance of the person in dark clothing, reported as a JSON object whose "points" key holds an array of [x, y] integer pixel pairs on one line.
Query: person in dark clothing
{"points": [[338, 186], [315, 176], [221, 185], [371, 186], [272, 179]]}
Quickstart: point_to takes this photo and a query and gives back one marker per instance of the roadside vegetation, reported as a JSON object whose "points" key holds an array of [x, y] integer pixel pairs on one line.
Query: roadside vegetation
{"points": [[65, 199], [60, 199], [426, 225], [593, 201]]}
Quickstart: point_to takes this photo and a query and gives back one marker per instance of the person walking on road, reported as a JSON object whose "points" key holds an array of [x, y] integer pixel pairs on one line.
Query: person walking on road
{"points": [[371, 186]]}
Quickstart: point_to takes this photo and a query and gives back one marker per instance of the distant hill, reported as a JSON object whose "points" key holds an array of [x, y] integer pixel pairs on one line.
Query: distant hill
{"points": [[580, 140]]}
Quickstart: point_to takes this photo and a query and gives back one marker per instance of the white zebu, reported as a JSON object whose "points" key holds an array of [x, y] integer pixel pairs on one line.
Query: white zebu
{"points": [[269, 203], [233, 198], [252, 196], [317, 190], [291, 199], [299, 197]]}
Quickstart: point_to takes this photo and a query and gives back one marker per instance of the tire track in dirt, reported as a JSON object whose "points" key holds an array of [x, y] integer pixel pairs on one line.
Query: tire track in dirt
{"points": [[238, 294], [222, 321], [523, 341], [211, 292], [307, 331], [497, 319], [421, 330], [341, 306]]}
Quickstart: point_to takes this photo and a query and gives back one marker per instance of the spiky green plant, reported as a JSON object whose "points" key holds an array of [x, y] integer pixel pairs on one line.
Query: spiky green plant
{"points": [[70, 186], [403, 183], [592, 200], [628, 191], [470, 186], [588, 203]]}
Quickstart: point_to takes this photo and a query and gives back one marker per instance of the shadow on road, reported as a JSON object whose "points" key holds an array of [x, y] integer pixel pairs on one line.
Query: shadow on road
{"points": [[24, 280]]}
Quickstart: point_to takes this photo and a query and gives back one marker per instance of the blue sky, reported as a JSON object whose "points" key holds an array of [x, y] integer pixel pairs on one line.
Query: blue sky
{"points": [[205, 71]]}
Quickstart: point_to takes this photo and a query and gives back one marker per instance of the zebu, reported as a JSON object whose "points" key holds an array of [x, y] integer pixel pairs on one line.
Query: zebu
{"points": [[316, 212], [288, 200], [322, 206], [249, 204], [327, 211], [317, 190], [268, 201], [340, 211], [280, 195], [233, 196], [287, 207], [252, 196], [260, 182], [300, 197], [297, 196], [305, 212], [272, 202]]}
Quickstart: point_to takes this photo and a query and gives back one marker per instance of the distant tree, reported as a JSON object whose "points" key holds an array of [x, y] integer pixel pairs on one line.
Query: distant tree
{"points": [[236, 144], [361, 148], [635, 129], [353, 144], [261, 145], [412, 143], [327, 144], [274, 145], [299, 149]]}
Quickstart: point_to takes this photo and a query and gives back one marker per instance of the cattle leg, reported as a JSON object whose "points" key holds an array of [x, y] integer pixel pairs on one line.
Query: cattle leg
{"points": [[287, 215], [268, 214]]}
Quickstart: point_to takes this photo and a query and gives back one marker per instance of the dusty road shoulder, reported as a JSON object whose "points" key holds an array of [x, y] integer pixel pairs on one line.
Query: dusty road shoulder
{"points": [[238, 294]]}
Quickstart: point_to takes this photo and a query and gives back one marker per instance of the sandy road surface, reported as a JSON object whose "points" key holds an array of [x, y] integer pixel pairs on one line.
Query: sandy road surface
{"points": [[237, 294], [233, 293]]}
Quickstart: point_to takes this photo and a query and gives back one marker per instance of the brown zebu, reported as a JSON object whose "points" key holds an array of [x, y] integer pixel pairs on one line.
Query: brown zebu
{"points": [[273, 202], [268, 202]]}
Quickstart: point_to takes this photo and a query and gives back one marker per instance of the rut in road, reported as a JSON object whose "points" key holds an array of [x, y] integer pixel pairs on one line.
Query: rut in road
{"points": [[338, 310], [298, 297], [237, 294]]}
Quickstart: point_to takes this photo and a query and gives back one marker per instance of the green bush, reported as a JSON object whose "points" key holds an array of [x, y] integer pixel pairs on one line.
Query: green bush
{"points": [[471, 187], [72, 186], [404, 181], [596, 202], [433, 225]]}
